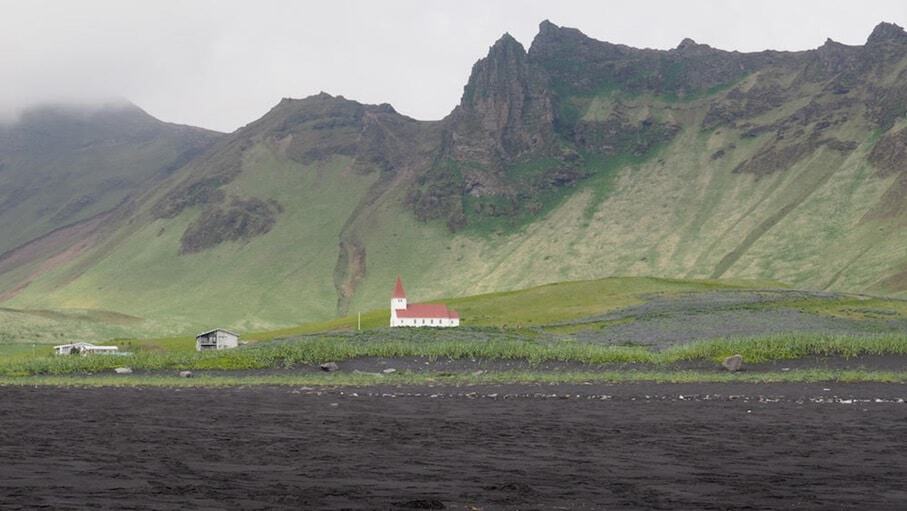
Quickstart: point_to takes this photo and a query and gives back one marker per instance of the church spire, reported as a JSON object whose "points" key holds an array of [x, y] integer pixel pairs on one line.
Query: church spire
{"points": [[399, 292]]}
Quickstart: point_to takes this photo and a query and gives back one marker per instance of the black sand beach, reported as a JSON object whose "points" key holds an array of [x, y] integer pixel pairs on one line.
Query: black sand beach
{"points": [[630, 446]]}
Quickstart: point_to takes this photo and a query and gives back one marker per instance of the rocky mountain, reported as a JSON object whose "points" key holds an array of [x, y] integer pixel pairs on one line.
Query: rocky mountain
{"points": [[576, 158]]}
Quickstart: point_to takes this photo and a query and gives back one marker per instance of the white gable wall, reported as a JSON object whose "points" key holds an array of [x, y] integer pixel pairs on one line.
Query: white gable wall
{"points": [[218, 339], [226, 340]]}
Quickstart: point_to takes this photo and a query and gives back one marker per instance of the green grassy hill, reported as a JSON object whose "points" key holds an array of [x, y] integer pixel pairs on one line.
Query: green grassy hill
{"points": [[520, 309], [60, 164], [574, 160]]}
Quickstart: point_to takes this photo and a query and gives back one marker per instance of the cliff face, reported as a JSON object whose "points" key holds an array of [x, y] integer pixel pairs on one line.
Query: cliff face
{"points": [[506, 111], [532, 125], [504, 120]]}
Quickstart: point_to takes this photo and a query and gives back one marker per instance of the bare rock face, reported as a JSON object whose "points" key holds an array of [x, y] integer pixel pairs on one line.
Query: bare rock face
{"points": [[505, 118], [506, 109], [886, 33], [889, 154], [733, 363], [579, 64]]}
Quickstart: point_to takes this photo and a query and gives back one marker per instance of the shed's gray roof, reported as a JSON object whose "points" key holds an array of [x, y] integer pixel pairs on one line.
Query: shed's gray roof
{"points": [[217, 330]]}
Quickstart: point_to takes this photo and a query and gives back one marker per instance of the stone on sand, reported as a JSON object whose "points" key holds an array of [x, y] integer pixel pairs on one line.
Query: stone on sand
{"points": [[733, 363]]}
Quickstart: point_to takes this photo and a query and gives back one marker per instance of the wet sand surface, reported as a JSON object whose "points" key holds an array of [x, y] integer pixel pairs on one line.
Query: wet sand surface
{"points": [[627, 446]]}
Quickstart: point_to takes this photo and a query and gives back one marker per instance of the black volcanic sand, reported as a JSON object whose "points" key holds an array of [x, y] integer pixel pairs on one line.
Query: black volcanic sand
{"points": [[630, 446]]}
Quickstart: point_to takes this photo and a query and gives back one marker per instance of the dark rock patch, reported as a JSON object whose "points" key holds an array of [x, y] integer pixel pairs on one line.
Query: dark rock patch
{"points": [[202, 191], [616, 135], [738, 104], [775, 158], [889, 154], [241, 220]]}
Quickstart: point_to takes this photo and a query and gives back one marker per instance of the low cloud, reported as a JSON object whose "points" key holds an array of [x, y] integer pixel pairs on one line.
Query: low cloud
{"points": [[221, 64]]}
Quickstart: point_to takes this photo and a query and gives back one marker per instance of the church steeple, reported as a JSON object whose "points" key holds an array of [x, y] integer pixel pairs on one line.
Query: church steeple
{"points": [[398, 299], [399, 292]]}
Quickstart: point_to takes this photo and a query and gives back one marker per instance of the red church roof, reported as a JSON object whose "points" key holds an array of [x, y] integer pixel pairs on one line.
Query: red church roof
{"points": [[398, 289], [428, 311], [422, 310]]}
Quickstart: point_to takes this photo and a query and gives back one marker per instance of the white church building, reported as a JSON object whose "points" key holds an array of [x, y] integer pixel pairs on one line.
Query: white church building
{"points": [[420, 314]]}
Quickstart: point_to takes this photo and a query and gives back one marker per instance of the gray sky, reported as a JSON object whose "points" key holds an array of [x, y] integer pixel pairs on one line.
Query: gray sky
{"points": [[222, 64]]}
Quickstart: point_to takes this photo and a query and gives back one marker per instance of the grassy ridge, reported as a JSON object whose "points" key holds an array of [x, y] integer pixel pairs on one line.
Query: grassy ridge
{"points": [[59, 326], [316, 350], [535, 306], [540, 305]]}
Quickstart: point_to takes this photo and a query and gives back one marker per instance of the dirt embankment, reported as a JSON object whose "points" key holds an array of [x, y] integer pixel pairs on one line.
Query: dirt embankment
{"points": [[641, 446]]}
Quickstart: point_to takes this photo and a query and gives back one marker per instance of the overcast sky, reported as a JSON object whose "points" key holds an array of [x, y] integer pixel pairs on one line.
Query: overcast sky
{"points": [[222, 64]]}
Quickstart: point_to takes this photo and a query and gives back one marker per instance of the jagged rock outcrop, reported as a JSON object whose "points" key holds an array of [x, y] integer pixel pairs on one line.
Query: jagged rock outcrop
{"points": [[579, 64], [886, 33], [505, 111], [505, 118]]}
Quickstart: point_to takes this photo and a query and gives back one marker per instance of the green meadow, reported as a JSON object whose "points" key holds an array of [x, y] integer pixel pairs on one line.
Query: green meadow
{"points": [[540, 305], [308, 351], [540, 324]]}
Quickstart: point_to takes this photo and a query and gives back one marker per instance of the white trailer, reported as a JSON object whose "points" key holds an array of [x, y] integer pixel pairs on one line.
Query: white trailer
{"points": [[85, 348]]}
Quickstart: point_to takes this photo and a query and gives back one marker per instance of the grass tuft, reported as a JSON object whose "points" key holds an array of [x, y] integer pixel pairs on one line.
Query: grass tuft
{"points": [[432, 379]]}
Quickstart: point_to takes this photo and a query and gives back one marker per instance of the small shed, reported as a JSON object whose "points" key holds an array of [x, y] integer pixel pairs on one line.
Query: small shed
{"points": [[84, 348], [217, 339]]}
